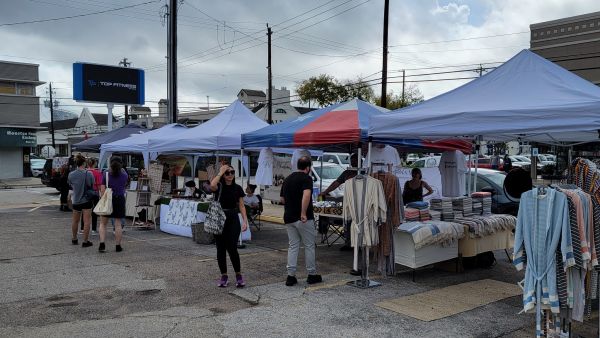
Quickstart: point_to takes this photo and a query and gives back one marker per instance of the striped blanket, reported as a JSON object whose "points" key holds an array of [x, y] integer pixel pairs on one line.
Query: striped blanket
{"points": [[433, 232]]}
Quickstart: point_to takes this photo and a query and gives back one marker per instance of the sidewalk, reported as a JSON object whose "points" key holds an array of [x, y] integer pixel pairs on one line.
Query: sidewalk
{"points": [[21, 183], [272, 212]]}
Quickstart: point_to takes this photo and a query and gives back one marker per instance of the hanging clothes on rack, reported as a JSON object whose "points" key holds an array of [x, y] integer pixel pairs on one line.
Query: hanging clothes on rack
{"points": [[365, 207], [384, 253], [542, 226]]}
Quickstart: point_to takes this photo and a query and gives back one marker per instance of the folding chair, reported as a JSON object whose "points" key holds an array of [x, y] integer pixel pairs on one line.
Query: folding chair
{"points": [[331, 232], [254, 214]]}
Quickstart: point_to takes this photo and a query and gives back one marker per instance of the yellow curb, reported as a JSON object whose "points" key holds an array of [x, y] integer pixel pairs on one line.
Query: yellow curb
{"points": [[271, 219], [328, 286]]}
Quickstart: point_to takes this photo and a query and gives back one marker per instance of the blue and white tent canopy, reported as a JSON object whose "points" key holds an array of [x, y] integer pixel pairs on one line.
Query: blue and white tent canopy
{"points": [[528, 98], [139, 143]]}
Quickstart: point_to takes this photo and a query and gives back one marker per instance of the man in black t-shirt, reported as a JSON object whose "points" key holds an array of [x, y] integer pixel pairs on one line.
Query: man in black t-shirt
{"points": [[296, 195]]}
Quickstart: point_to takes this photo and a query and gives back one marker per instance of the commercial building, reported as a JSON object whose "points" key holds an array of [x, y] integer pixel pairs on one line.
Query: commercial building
{"points": [[573, 43], [19, 117]]}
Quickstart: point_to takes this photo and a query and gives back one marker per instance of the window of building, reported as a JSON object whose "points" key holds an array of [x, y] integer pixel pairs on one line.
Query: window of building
{"points": [[548, 33], [25, 89], [555, 31], [562, 30], [591, 24], [576, 28], [569, 29], [541, 33], [280, 111], [7, 88], [584, 26]]}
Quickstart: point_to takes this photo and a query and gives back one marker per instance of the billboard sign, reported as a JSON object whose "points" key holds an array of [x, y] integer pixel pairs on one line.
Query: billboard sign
{"points": [[108, 84]]}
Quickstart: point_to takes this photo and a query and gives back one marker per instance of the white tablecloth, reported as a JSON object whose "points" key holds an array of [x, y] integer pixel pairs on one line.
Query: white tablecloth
{"points": [[186, 231]]}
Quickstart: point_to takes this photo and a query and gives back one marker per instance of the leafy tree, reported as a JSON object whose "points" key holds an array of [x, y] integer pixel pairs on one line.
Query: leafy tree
{"points": [[412, 95], [356, 89], [323, 90]]}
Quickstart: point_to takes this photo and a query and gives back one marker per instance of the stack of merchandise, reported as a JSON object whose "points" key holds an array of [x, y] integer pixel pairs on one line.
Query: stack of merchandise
{"points": [[411, 214], [422, 208], [424, 215], [444, 206], [462, 206], [477, 207], [435, 215], [485, 198]]}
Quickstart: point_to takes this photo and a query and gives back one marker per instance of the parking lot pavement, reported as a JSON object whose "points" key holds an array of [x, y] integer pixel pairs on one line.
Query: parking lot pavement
{"points": [[162, 285]]}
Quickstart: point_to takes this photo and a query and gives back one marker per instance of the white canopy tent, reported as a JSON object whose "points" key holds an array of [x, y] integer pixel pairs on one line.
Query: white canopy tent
{"points": [[527, 98], [139, 143], [222, 132]]}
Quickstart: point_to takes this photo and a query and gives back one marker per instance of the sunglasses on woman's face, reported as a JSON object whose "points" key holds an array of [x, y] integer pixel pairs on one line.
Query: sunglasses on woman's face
{"points": [[230, 172]]}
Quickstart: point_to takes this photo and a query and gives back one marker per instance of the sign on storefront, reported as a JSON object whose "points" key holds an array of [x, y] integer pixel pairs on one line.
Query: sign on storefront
{"points": [[16, 137]]}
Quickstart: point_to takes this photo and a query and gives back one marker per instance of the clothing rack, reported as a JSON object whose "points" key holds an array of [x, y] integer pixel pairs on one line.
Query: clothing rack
{"points": [[583, 180], [364, 282]]}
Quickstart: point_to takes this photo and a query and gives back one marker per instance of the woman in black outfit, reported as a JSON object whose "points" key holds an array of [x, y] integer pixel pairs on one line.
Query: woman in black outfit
{"points": [[413, 189], [230, 195]]}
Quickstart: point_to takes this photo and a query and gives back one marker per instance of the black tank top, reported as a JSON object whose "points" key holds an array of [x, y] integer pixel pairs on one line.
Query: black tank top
{"points": [[412, 195]]}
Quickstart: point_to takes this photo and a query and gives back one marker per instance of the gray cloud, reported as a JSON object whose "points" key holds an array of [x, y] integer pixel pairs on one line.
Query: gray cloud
{"points": [[211, 62]]}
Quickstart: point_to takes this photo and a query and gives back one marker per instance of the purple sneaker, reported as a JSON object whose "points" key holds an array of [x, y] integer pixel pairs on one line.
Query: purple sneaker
{"points": [[223, 282], [239, 281]]}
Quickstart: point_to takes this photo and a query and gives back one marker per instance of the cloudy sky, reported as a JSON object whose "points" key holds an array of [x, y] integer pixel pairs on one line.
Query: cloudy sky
{"points": [[222, 44]]}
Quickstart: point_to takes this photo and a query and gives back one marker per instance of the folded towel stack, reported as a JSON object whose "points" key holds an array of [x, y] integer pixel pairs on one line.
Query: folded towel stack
{"points": [[464, 205], [435, 215], [411, 214]]}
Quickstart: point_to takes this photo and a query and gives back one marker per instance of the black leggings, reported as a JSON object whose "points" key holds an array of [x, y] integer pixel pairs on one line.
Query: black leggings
{"points": [[227, 242], [64, 194]]}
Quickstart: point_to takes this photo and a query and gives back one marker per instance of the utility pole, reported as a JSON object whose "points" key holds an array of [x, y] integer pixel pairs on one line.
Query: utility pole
{"points": [[52, 117], [172, 62], [480, 70], [386, 14], [403, 83], [270, 92], [125, 64], [207, 104]]}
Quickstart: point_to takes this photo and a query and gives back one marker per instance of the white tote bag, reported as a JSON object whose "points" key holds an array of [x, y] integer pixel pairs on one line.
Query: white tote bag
{"points": [[104, 206]]}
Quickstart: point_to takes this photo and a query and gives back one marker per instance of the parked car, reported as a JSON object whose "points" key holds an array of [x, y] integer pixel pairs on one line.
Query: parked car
{"points": [[328, 174], [486, 163], [51, 173], [411, 158], [520, 161], [341, 159], [493, 181], [427, 162], [37, 166]]}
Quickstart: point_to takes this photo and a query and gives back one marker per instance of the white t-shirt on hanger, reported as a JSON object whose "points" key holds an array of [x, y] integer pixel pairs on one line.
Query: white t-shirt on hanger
{"points": [[264, 172], [453, 168], [386, 155]]}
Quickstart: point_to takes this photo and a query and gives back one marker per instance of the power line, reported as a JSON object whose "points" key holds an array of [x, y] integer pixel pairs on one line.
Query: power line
{"points": [[462, 39], [77, 16]]}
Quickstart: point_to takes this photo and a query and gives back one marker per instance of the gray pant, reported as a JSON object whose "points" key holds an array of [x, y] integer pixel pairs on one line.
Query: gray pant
{"points": [[306, 233]]}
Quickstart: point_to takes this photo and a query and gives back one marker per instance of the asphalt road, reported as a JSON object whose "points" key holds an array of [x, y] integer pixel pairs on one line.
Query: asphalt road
{"points": [[165, 286]]}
